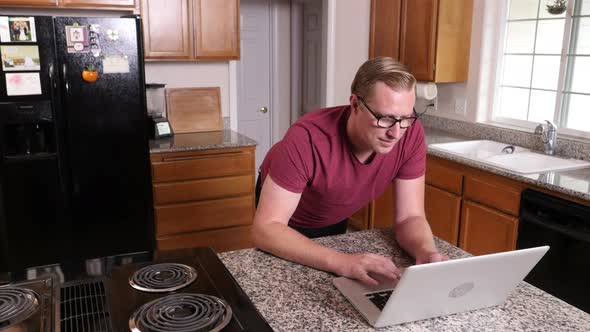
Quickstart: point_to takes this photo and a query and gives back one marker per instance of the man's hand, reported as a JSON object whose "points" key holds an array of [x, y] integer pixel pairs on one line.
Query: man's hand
{"points": [[367, 268], [430, 257]]}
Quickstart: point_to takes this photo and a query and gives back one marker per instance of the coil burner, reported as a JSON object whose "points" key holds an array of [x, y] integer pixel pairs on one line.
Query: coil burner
{"points": [[166, 277], [182, 312], [16, 305]]}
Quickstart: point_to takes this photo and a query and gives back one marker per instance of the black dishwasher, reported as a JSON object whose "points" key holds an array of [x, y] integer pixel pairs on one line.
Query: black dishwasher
{"points": [[565, 226]]}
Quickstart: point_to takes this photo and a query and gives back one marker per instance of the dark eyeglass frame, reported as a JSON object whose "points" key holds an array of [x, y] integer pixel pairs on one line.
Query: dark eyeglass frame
{"points": [[389, 117]]}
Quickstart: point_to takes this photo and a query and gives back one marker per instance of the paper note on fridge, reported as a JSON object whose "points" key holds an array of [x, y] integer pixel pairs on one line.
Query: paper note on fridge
{"points": [[22, 84], [113, 64]]}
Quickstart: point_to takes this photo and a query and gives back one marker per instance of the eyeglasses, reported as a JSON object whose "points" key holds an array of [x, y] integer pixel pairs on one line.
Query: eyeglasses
{"points": [[387, 121]]}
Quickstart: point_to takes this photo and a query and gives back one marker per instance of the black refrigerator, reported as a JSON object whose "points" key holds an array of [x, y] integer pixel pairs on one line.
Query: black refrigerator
{"points": [[75, 179]]}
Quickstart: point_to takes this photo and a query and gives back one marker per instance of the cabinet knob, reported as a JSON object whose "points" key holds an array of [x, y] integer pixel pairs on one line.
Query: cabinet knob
{"points": [[263, 110]]}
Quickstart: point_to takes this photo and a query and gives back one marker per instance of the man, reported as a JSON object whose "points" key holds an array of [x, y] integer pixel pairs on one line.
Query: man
{"points": [[333, 161]]}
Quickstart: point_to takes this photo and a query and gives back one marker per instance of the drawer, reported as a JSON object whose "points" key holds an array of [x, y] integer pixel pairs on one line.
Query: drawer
{"points": [[191, 167], [220, 240], [441, 174], [197, 190], [204, 215], [493, 191]]}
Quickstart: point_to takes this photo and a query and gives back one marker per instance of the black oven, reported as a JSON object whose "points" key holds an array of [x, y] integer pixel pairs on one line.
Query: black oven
{"points": [[565, 227]]}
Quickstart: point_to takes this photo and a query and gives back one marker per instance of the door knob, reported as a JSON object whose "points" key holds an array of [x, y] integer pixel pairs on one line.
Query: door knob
{"points": [[263, 109]]}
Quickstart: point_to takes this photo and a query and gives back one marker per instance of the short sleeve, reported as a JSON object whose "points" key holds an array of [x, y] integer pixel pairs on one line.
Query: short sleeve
{"points": [[290, 161], [414, 156]]}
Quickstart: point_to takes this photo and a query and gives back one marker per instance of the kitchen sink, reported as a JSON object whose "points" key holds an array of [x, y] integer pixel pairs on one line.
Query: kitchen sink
{"points": [[510, 157]]}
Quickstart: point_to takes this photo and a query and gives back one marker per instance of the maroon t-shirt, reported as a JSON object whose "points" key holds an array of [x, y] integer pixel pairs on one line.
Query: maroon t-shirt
{"points": [[315, 159]]}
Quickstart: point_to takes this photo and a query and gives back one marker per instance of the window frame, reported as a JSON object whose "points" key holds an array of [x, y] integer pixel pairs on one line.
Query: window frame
{"points": [[559, 113]]}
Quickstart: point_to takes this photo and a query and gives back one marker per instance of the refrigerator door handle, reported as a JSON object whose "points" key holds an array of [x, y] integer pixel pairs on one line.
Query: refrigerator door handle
{"points": [[51, 80], [67, 84]]}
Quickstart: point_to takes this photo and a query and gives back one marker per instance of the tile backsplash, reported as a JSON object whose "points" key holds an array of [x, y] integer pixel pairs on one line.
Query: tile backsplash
{"points": [[565, 147]]}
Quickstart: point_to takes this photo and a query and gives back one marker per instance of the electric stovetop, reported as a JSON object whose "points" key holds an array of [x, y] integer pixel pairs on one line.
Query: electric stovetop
{"points": [[175, 290]]}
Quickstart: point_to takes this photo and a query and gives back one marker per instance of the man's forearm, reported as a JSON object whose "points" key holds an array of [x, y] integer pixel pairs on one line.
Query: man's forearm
{"points": [[415, 236], [285, 242]]}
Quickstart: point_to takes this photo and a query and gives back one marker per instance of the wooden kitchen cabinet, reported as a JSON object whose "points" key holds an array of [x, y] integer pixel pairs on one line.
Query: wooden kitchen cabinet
{"points": [[189, 30], [71, 4], [204, 198], [377, 214], [167, 29], [385, 28], [217, 29], [97, 3], [443, 210], [28, 3], [468, 207], [431, 37], [486, 230]]}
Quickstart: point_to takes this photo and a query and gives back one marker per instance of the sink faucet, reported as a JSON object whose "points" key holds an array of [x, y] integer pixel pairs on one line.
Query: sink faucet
{"points": [[548, 132]]}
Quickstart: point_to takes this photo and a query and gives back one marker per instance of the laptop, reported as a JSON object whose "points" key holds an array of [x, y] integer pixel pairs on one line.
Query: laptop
{"points": [[441, 288]]}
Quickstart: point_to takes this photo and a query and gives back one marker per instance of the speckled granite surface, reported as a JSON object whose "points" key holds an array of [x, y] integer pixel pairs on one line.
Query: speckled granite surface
{"points": [[201, 141], [575, 183], [293, 297]]}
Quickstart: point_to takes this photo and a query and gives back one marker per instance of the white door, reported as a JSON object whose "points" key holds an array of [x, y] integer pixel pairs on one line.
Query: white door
{"points": [[253, 75]]}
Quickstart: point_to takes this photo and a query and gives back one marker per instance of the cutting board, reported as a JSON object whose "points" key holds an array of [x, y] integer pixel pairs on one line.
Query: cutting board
{"points": [[192, 110]]}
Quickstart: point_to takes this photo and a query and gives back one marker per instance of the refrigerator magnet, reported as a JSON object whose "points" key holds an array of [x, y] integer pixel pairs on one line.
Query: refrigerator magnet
{"points": [[113, 34], [89, 74], [77, 39], [93, 40]]}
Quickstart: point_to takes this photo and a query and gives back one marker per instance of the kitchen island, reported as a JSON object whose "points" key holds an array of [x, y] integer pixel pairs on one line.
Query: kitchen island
{"points": [[293, 297]]}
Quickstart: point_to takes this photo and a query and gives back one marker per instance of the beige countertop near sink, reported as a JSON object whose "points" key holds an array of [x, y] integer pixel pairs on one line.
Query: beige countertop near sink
{"points": [[572, 182]]}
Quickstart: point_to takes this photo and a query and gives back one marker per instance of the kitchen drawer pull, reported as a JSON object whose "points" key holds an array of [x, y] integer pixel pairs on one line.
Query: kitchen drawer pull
{"points": [[209, 156]]}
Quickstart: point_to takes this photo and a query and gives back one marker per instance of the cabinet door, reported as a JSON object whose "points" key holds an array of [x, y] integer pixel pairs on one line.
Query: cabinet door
{"points": [[360, 219], [418, 37], [28, 3], [167, 29], [442, 212], [453, 40], [383, 209], [217, 30], [385, 26], [98, 3], [486, 231]]}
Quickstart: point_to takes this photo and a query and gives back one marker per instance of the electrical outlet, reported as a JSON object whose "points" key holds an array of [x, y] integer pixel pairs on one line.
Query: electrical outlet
{"points": [[461, 106]]}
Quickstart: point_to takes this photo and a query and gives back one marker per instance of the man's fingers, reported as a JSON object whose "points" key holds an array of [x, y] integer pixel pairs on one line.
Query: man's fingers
{"points": [[366, 279]]}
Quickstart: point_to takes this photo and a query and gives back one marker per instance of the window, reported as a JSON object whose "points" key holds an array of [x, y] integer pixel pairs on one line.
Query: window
{"points": [[544, 72]]}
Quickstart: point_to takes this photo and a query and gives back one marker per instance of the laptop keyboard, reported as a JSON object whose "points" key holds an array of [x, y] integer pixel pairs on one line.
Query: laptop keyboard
{"points": [[379, 298]]}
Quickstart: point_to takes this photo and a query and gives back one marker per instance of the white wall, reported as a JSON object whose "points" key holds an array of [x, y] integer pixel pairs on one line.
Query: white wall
{"points": [[348, 46], [190, 74]]}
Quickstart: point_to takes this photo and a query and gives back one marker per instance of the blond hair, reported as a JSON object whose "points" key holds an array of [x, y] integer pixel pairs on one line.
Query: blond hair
{"points": [[381, 69]]}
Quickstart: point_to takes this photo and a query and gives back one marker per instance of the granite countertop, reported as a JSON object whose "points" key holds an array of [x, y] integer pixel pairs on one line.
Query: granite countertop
{"points": [[574, 183], [201, 141], [294, 297]]}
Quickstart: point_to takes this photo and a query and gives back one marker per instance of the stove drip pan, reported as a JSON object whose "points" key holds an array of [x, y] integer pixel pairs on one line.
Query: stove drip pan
{"points": [[182, 312], [166, 277], [16, 305]]}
